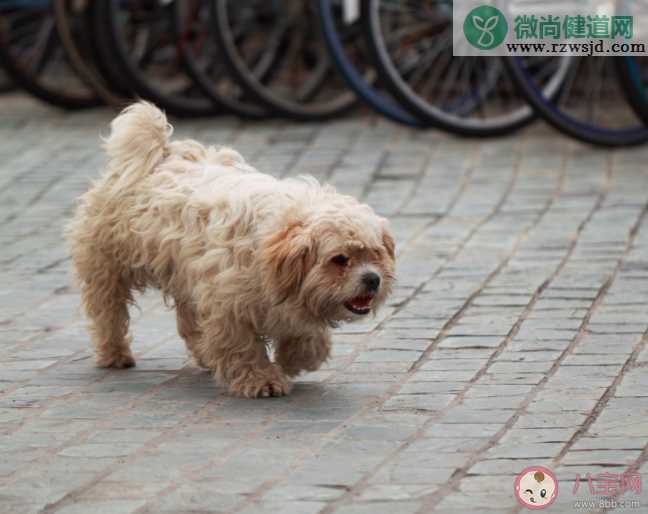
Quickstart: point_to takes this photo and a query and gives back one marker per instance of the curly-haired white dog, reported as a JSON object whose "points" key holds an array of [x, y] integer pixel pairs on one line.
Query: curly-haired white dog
{"points": [[246, 258]]}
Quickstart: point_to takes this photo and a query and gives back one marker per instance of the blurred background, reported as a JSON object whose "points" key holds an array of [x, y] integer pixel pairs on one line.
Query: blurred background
{"points": [[308, 60]]}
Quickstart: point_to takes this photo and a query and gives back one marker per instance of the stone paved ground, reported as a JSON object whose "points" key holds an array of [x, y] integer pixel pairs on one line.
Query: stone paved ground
{"points": [[516, 337]]}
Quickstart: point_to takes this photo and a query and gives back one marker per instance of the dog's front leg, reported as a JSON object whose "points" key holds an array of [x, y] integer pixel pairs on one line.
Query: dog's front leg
{"points": [[305, 353], [239, 358]]}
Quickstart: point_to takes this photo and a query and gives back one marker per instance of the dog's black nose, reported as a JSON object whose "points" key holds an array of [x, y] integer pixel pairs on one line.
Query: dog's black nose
{"points": [[371, 281]]}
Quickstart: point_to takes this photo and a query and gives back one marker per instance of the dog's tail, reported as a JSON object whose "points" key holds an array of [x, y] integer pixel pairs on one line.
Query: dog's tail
{"points": [[138, 141]]}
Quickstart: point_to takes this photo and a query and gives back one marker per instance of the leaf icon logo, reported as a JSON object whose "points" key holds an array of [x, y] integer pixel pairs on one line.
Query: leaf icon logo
{"points": [[485, 27], [491, 23]]}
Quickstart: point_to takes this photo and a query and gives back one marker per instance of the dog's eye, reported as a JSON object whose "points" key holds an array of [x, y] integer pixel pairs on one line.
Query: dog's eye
{"points": [[340, 260]]}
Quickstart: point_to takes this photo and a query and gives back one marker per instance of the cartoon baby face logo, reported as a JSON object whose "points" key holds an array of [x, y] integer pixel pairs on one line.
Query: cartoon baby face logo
{"points": [[536, 488]]}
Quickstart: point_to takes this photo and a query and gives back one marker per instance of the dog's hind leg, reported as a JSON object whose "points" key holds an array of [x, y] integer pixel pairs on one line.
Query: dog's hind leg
{"points": [[188, 328], [106, 295]]}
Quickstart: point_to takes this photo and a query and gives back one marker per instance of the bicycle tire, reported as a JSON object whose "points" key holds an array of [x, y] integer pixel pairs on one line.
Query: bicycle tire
{"points": [[203, 62], [634, 85], [110, 67], [472, 111], [314, 59], [79, 47], [183, 99], [45, 74], [361, 82], [6, 84], [569, 124]]}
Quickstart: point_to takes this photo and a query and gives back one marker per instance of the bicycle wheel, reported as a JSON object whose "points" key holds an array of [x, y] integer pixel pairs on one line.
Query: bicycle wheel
{"points": [[73, 20], [276, 52], [5, 82], [32, 55], [203, 60], [633, 73], [137, 40], [411, 45], [344, 39], [590, 107]]}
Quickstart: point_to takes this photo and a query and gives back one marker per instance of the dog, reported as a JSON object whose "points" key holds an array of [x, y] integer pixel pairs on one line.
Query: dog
{"points": [[246, 259]]}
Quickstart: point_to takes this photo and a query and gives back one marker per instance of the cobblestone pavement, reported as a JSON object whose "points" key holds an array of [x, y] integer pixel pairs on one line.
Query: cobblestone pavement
{"points": [[516, 337]]}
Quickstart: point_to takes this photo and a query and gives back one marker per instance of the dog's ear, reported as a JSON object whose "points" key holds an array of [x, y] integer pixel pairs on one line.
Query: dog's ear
{"points": [[289, 255], [388, 243]]}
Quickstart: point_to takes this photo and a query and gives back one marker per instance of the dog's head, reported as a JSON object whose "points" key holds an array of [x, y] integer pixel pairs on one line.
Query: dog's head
{"points": [[336, 263]]}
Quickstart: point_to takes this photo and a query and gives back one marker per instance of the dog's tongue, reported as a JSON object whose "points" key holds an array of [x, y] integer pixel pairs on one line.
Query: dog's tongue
{"points": [[361, 302]]}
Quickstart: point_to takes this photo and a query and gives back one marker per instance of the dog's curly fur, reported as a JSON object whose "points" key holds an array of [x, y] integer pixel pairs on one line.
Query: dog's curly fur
{"points": [[247, 259]]}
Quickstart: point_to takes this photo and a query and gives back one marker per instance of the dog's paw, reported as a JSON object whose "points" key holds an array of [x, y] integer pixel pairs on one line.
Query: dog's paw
{"points": [[116, 360], [262, 385], [274, 388]]}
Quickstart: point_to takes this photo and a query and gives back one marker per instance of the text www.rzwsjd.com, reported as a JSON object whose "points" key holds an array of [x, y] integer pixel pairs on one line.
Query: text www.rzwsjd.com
{"points": [[584, 48]]}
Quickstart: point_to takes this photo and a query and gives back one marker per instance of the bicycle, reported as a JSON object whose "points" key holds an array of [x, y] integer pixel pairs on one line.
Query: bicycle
{"points": [[342, 31], [634, 78], [411, 47], [136, 41], [32, 54], [586, 106], [203, 61], [6, 83], [276, 53], [73, 23]]}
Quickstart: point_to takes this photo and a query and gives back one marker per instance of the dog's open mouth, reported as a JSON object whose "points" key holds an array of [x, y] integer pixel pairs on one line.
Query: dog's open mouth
{"points": [[360, 304]]}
